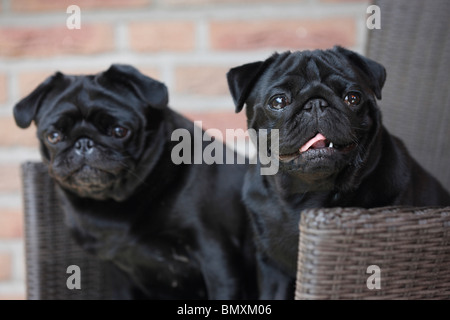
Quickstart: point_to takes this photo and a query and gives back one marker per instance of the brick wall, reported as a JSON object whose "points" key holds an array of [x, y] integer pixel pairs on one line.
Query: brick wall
{"points": [[188, 44]]}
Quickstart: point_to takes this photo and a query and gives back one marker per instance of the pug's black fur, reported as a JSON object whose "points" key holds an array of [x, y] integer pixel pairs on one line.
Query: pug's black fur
{"points": [[315, 98], [175, 231]]}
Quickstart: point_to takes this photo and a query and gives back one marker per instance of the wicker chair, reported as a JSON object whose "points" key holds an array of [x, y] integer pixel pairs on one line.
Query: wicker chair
{"points": [[49, 248], [409, 245], [414, 46]]}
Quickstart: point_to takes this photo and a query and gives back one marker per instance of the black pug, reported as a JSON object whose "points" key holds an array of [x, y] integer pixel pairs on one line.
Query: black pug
{"points": [[176, 231], [333, 150]]}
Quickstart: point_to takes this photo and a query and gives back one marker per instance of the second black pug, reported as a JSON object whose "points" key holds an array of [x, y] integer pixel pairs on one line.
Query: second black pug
{"points": [[333, 150], [176, 231]]}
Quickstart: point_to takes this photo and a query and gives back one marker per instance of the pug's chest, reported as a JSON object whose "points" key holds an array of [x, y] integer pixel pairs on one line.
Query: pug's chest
{"points": [[275, 222], [162, 271], [96, 236], [161, 267]]}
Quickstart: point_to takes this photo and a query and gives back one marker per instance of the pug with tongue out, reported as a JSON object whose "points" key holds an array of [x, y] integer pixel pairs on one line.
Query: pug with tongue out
{"points": [[333, 150]]}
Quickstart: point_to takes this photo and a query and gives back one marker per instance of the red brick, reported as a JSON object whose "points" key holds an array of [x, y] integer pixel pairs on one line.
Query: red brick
{"points": [[283, 34], [162, 36], [221, 120], [61, 5], [150, 72], [10, 181], [186, 3], [11, 223], [201, 80], [55, 40], [5, 266], [3, 89], [13, 136], [344, 1], [28, 81], [12, 296]]}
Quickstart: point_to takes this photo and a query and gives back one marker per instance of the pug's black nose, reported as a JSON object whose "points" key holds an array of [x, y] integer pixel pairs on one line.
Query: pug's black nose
{"points": [[84, 146], [316, 103]]}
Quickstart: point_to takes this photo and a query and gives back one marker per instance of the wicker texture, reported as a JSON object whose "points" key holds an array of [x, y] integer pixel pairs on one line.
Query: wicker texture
{"points": [[411, 246], [50, 249], [414, 46]]}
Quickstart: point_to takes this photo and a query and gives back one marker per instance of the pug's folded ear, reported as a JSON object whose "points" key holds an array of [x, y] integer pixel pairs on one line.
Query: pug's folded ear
{"points": [[26, 109], [242, 79], [155, 93], [374, 72]]}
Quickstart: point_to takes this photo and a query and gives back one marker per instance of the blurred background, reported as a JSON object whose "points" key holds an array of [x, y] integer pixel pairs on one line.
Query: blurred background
{"points": [[187, 44]]}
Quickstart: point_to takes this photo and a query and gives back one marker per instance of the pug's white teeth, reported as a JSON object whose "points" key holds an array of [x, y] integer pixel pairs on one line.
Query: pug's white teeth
{"points": [[330, 145]]}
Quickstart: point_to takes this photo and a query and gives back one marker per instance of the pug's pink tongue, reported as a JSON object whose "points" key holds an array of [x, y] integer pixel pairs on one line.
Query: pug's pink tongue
{"points": [[317, 142]]}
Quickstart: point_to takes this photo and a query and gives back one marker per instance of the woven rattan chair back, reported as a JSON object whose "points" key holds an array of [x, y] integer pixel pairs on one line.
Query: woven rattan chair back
{"points": [[414, 46], [49, 248]]}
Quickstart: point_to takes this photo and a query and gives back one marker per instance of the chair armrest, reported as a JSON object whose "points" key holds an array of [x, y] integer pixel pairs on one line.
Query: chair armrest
{"points": [[410, 247]]}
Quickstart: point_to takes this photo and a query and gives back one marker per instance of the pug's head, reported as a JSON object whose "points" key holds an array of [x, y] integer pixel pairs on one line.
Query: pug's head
{"points": [[97, 133], [323, 103]]}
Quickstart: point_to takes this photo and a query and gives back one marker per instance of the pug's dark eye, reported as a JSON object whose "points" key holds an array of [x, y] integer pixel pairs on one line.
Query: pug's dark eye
{"points": [[352, 99], [119, 132], [54, 137], [278, 102]]}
